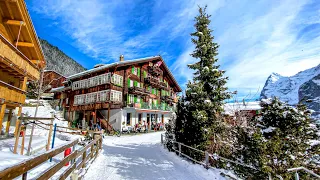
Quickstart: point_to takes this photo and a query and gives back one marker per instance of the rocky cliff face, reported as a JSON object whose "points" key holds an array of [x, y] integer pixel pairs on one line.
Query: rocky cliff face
{"points": [[304, 85], [59, 61]]}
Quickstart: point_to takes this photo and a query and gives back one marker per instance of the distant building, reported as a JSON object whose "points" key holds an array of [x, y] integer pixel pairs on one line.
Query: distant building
{"points": [[240, 113], [52, 79], [21, 57], [124, 93]]}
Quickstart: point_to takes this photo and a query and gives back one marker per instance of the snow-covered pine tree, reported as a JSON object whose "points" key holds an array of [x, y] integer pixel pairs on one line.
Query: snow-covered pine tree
{"points": [[205, 93], [278, 140]]}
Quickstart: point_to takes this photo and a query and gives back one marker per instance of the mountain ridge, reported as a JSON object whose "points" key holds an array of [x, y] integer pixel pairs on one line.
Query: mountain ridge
{"points": [[58, 61], [292, 89]]}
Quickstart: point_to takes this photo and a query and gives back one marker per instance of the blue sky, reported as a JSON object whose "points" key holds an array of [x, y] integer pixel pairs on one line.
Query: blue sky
{"points": [[256, 38]]}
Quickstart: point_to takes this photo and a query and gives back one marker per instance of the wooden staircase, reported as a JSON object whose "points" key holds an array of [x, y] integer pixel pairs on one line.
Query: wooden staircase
{"points": [[105, 124]]}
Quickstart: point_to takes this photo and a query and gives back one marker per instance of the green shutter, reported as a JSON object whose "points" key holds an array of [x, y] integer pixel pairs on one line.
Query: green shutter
{"points": [[135, 83], [132, 69], [138, 72], [128, 82], [135, 99], [145, 74]]}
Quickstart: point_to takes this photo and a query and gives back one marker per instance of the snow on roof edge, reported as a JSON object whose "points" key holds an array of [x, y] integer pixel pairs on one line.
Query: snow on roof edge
{"points": [[107, 66]]}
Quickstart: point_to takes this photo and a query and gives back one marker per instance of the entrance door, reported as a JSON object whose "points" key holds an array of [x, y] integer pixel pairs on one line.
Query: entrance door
{"points": [[148, 121], [139, 118], [128, 119], [162, 119]]}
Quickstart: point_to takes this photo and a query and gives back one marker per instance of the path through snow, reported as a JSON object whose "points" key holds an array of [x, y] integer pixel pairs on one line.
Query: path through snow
{"points": [[142, 157]]}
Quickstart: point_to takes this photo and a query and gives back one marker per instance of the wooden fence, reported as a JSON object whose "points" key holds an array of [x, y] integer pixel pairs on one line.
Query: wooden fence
{"points": [[78, 158], [214, 157]]}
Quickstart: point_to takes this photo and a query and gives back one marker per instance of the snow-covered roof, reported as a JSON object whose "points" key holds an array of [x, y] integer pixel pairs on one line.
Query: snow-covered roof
{"points": [[123, 63], [54, 72], [59, 89], [231, 108]]}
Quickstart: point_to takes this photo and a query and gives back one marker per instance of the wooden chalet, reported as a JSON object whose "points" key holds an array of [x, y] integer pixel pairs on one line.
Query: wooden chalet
{"points": [[52, 79], [21, 57], [124, 93]]}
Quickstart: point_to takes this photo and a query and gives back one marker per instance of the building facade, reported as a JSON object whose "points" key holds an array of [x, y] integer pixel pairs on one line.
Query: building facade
{"points": [[125, 93], [21, 57]]}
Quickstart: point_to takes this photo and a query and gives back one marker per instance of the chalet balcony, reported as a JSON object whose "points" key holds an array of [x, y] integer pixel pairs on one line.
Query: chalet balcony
{"points": [[14, 59], [155, 70], [167, 99], [137, 90], [152, 81], [163, 85], [12, 94]]}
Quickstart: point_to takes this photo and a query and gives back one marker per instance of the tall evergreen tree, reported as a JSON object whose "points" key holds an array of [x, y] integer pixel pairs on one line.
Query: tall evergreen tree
{"points": [[205, 93], [278, 140]]}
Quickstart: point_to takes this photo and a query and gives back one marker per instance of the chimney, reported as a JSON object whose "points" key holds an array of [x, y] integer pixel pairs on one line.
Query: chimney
{"points": [[121, 58]]}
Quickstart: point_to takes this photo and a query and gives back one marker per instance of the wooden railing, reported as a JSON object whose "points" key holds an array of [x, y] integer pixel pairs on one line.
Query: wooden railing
{"points": [[25, 166], [16, 58], [11, 93]]}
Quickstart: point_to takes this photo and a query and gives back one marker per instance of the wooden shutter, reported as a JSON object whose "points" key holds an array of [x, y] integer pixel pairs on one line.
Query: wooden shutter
{"points": [[138, 72], [132, 70], [145, 74], [128, 82], [135, 99]]}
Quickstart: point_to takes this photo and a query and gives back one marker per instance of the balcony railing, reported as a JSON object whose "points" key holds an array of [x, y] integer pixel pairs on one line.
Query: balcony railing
{"points": [[138, 90], [145, 105], [168, 99], [17, 59], [11, 94], [152, 81], [154, 70]]}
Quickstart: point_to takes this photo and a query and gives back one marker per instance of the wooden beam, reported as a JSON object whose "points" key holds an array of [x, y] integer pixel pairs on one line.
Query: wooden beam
{"points": [[9, 9], [14, 22], [8, 121], [2, 111], [9, 0], [24, 44]]}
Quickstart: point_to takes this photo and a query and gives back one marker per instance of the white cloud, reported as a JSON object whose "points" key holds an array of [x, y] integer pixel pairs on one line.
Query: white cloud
{"points": [[256, 40], [256, 37]]}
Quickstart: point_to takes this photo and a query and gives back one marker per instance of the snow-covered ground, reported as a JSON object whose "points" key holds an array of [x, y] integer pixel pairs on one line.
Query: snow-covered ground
{"points": [[39, 141], [143, 157]]}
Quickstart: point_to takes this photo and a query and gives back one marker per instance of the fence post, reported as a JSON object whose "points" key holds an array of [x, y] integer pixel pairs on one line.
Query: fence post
{"points": [[24, 176], [91, 156], [49, 135], [73, 149], [84, 155], [207, 160], [161, 138], [54, 136], [296, 176], [179, 148], [17, 136]]}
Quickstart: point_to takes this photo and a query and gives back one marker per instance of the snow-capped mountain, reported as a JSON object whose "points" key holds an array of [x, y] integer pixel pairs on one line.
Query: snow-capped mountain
{"points": [[305, 84]]}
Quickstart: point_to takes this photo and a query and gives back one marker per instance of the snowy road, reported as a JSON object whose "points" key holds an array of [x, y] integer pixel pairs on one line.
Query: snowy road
{"points": [[142, 157]]}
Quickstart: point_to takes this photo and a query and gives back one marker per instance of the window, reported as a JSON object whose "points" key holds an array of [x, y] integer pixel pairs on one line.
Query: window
{"points": [[121, 81], [75, 85], [140, 118], [116, 96], [130, 98], [117, 80], [87, 99], [130, 83], [134, 70]]}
